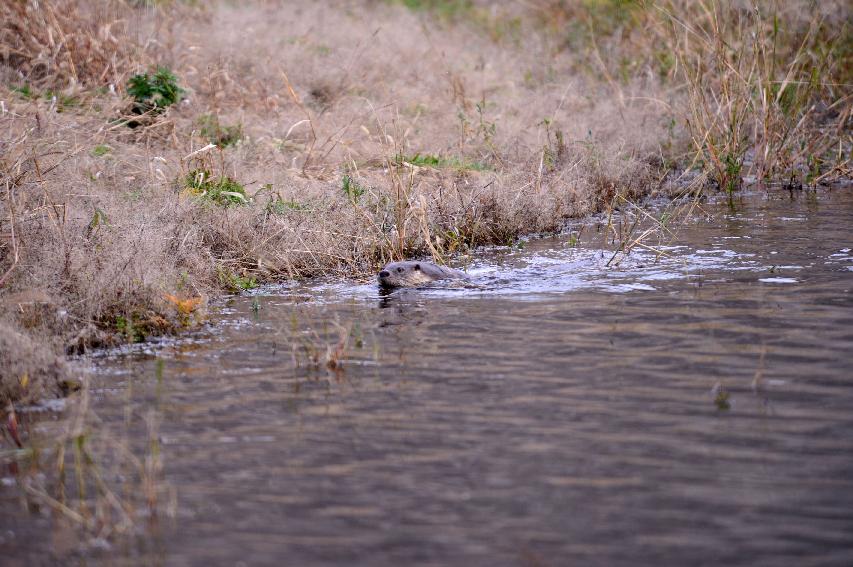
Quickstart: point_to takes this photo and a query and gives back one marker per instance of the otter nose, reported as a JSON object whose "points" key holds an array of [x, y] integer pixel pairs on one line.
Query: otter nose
{"points": [[384, 274]]}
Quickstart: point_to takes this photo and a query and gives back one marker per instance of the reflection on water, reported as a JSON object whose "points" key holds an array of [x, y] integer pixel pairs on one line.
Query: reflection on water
{"points": [[693, 408]]}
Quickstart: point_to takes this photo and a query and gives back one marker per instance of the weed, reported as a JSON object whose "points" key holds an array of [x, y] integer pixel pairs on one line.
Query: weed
{"points": [[439, 162], [814, 164], [154, 92], [326, 350], [754, 81], [730, 176], [721, 397], [357, 335], [25, 91], [665, 64], [101, 150], [486, 128], [99, 217], [554, 149], [127, 327], [85, 474], [62, 101], [445, 9], [134, 195], [279, 206], [222, 190], [234, 282], [351, 188]]}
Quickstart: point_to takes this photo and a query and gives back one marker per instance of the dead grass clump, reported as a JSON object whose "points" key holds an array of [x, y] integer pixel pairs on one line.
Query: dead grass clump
{"points": [[63, 43], [73, 225], [30, 368], [768, 88], [758, 91]]}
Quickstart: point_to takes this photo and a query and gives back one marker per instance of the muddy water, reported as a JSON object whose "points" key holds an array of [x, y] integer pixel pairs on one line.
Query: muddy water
{"points": [[697, 409]]}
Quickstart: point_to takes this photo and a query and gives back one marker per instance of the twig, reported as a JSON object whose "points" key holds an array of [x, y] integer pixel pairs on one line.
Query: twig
{"points": [[301, 106], [14, 240]]}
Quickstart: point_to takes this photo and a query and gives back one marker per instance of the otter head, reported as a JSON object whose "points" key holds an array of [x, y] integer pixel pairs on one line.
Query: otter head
{"points": [[403, 274]]}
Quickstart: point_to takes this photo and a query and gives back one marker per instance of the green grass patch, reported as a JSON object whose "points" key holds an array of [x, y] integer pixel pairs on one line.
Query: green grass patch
{"points": [[235, 282], [131, 332], [447, 9], [24, 90], [442, 162], [482, 18], [101, 150], [63, 101], [279, 206], [222, 190]]}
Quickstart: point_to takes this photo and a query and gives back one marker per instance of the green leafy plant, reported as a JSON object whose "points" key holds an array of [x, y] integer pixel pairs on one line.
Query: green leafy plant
{"points": [[730, 178], [154, 92]]}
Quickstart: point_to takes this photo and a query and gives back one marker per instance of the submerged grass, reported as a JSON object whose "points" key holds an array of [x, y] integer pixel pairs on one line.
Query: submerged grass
{"points": [[89, 475]]}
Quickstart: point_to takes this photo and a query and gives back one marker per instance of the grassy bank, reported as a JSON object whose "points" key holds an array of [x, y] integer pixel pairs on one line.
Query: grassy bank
{"points": [[153, 158]]}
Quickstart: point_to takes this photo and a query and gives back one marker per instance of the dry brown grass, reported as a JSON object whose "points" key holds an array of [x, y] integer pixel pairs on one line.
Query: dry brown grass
{"points": [[769, 85], [63, 43], [448, 129]]}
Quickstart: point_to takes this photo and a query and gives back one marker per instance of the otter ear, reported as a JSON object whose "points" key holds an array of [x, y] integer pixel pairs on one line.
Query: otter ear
{"points": [[417, 267]]}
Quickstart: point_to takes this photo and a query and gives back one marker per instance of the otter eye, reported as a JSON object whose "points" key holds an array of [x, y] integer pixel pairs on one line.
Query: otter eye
{"points": [[417, 266], [400, 270]]}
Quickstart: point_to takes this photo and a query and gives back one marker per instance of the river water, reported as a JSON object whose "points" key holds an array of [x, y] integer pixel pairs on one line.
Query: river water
{"points": [[689, 408]]}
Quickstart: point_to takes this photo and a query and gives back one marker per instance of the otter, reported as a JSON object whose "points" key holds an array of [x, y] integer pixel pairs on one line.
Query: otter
{"points": [[413, 274]]}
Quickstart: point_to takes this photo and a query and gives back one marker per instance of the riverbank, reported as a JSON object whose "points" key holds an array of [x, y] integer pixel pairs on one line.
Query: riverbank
{"points": [[327, 140]]}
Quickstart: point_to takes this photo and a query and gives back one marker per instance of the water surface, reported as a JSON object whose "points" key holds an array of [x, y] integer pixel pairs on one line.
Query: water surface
{"points": [[689, 408]]}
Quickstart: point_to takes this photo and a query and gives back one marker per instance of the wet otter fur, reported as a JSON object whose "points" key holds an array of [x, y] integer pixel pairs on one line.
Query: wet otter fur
{"points": [[413, 274]]}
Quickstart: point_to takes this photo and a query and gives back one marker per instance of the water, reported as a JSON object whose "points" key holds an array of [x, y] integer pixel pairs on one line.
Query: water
{"points": [[693, 410]]}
